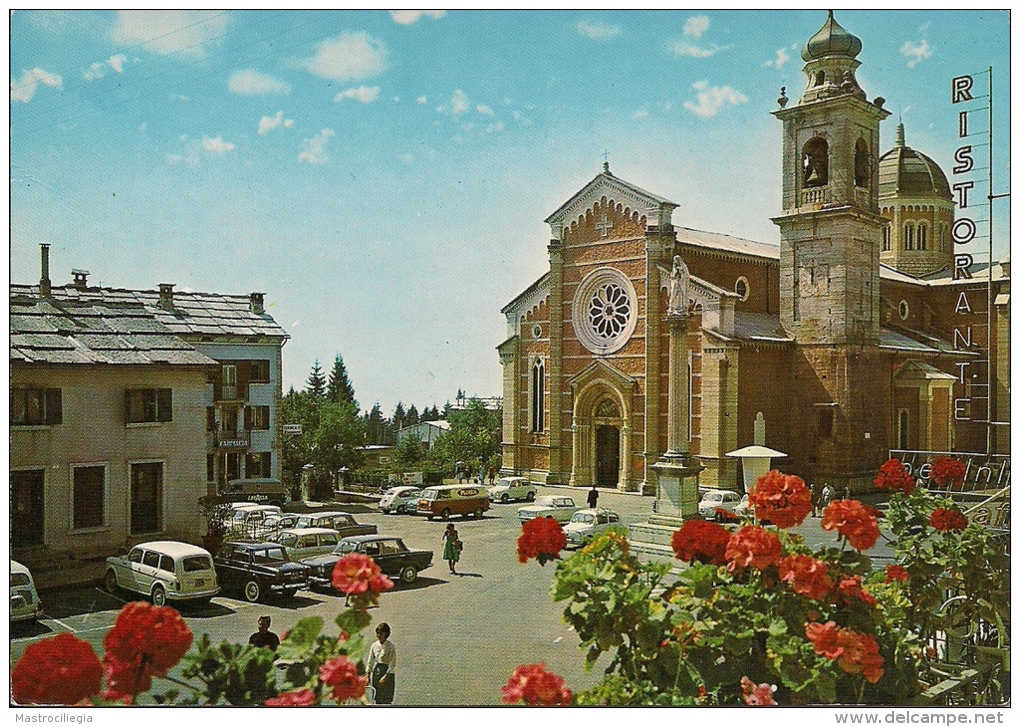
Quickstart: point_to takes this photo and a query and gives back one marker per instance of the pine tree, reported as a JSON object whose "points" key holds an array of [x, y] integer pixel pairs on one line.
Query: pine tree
{"points": [[376, 425], [412, 416], [340, 388], [316, 385], [399, 415]]}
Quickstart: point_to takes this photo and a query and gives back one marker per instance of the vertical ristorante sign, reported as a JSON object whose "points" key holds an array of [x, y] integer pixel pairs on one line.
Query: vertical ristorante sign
{"points": [[972, 190]]}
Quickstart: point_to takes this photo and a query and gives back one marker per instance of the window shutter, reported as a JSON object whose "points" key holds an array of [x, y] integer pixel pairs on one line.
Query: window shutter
{"points": [[210, 419], [267, 468], [164, 405], [54, 410], [127, 406], [247, 418]]}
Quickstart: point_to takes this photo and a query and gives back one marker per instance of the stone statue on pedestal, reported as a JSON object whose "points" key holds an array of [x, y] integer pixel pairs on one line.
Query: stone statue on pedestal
{"points": [[679, 283]]}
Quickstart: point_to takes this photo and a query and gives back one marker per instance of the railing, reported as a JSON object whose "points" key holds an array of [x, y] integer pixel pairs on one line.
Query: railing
{"points": [[814, 195]]}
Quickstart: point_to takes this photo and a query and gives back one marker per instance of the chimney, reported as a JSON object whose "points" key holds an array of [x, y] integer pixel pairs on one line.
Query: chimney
{"points": [[257, 303], [44, 281], [81, 278], [166, 296]]}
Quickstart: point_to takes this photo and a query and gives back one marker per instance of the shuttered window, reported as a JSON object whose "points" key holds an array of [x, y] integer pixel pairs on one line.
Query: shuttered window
{"points": [[148, 405]]}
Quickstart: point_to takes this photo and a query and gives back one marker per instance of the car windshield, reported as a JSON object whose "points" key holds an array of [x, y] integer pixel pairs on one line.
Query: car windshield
{"points": [[346, 546], [269, 555], [714, 496], [20, 579], [195, 563], [545, 501], [583, 517]]}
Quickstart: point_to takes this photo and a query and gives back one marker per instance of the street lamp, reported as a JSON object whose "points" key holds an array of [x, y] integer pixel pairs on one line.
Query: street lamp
{"points": [[755, 461], [343, 476]]}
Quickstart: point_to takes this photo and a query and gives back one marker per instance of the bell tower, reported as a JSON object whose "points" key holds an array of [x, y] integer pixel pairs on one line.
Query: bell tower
{"points": [[830, 226]]}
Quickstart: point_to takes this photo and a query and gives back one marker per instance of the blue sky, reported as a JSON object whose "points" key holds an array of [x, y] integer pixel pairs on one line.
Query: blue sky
{"points": [[383, 176]]}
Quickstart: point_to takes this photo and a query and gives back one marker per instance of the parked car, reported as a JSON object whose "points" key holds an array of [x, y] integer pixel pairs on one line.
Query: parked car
{"points": [[512, 488], [247, 521], [400, 499], [257, 570], [391, 555], [25, 603], [343, 522], [301, 543], [281, 521], [743, 508], [713, 500], [447, 500], [555, 506], [164, 570], [586, 524]]}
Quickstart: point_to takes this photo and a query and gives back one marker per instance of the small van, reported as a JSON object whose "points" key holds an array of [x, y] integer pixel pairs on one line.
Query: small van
{"points": [[446, 500]]}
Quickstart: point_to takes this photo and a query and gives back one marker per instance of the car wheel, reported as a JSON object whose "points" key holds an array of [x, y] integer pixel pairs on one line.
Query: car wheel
{"points": [[445, 514], [110, 581], [252, 591], [400, 509], [531, 496], [428, 517], [408, 574], [478, 513], [504, 498], [290, 593], [158, 596]]}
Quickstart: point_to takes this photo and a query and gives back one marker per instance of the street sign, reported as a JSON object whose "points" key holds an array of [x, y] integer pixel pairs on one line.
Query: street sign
{"points": [[292, 429]]}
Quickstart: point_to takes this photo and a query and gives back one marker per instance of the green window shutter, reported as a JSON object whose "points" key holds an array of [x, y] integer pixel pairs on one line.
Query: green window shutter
{"points": [[164, 405], [54, 409]]}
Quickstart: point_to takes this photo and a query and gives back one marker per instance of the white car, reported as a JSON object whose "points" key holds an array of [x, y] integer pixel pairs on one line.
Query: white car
{"points": [[301, 543], [400, 499], [164, 570], [717, 500], [512, 488], [586, 524], [555, 506], [25, 604]]}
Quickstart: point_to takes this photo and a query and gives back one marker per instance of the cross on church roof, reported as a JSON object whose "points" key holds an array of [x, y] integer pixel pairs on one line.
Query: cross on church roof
{"points": [[604, 225]]}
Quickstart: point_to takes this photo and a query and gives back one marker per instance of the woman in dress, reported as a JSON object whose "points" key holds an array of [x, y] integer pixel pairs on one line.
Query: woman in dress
{"points": [[451, 547]]}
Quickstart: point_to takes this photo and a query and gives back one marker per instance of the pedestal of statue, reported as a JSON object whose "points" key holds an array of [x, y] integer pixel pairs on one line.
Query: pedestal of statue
{"points": [[676, 500]]}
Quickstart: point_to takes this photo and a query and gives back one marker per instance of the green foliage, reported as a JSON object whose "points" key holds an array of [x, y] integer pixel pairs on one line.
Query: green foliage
{"points": [[316, 384], [229, 673], [475, 433], [339, 389], [410, 453]]}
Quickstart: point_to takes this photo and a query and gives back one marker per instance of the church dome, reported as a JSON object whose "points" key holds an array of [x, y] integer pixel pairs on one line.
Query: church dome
{"points": [[905, 172], [832, 39]]}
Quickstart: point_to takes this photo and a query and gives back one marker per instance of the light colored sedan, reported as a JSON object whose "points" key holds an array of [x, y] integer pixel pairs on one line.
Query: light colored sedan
{"points": [[25, 604], [586, 524], [512, 488], [400, 499], [164, 570], [713, 500], [557, 507]]}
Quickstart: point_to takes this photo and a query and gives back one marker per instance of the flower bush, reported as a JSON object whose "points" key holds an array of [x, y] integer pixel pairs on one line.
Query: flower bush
{"points": [[783, 500], [701, 541], [541, 538], [533, 685], [60, 670], [948, 472], [893, 475]]}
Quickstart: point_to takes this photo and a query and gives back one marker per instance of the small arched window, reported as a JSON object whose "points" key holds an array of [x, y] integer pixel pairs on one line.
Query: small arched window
{"points": [[820, 78], [816, 163], [908, 236], [862, 164], [903, 429], [886, 238], [538, 396], [922, 236], [741, 288]]}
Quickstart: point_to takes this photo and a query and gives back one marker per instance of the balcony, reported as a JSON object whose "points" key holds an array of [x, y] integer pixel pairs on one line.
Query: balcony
{"points": [[814, 195], [233, 440]]}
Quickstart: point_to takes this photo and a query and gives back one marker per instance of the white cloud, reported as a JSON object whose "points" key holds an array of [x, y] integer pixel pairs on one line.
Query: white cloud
{"points": [[217, 145], [423, 100], [494, 128], [409, 17], [459, 103], [365, 94], [268, 123], [187, 32], [683, 48], [253, 83], [314, 149], [596, 30], [483, 109], [98, 70], [640, 114], [711, 99], [117, 62], [24, 89], [696, 25], [351, 56], [915, 53], [779, 61]]}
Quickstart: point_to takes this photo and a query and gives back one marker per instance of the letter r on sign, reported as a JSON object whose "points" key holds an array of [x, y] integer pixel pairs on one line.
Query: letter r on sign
{"points": [[961, 88]]}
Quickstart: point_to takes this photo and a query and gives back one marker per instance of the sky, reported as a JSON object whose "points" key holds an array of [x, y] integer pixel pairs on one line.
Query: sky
{"points": [[383, 176]]}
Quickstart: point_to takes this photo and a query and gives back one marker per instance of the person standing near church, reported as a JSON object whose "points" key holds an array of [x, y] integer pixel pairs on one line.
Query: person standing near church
{"points": [[382, 663], [593, 497]]}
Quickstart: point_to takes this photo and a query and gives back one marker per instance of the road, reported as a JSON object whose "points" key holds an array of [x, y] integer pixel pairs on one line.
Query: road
{"points": [[458, 637]]}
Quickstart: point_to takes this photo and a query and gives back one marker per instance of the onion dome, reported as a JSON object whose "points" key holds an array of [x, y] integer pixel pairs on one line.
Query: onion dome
{"points": [[905, 172], [831, 40]]}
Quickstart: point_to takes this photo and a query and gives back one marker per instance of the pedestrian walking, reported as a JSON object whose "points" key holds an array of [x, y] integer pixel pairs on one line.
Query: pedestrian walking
{"points": [[382, 663], [827, 495], [815, 499], [846, 492], [492, 475], [452, 547], [467, 471], [264, 637], [460, 471], [593, 497]]}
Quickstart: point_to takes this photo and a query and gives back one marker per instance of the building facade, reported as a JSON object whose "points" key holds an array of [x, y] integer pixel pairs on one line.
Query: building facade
{"points": [[836, 347]]}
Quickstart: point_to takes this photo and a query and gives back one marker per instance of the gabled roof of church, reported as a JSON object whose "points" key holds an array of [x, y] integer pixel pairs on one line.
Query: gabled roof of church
{"points": [[610, 182], [726, 243]]}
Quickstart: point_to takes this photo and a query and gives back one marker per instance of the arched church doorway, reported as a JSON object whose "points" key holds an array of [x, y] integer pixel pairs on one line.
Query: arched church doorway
{"points": [[607, 455]]}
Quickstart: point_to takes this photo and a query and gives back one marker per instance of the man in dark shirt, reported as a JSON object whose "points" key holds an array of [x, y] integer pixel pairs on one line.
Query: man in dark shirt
{"points": [[264, 637], [593, 498]]}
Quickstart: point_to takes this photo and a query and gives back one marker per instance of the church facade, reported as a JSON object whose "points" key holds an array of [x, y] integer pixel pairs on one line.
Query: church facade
{"points": [[839, 344]]}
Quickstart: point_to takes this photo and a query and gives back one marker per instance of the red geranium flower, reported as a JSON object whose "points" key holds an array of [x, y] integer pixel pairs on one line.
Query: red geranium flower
{"points": [[542, 538], [145, 641], [896, 573], [853, 521], [807, 576], [855, 653], [358, 575], [342, 675], [301, 698], [893, 475], [62, 670], [948, 472], [946, 519], [533, 685], [701, 541], [783, 500], [753, 547], [851, 588], [757, 695]]}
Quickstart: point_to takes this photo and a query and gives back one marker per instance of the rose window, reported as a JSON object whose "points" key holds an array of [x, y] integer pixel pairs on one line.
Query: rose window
{"points": [[609, 311]]}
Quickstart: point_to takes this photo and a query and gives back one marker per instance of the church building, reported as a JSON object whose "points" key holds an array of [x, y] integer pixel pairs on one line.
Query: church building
{"points": [[837, 347]]}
